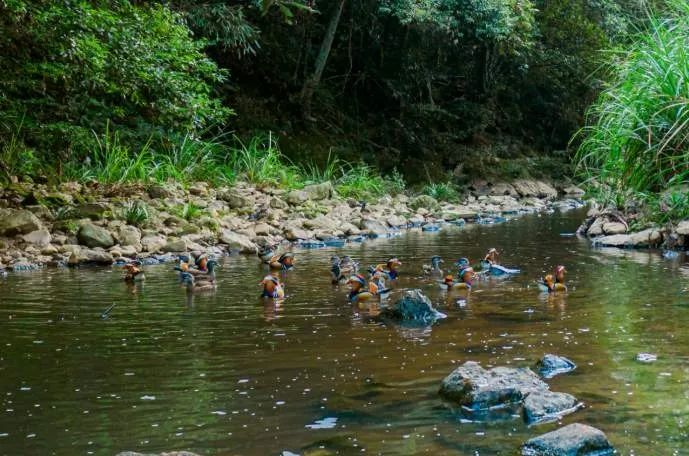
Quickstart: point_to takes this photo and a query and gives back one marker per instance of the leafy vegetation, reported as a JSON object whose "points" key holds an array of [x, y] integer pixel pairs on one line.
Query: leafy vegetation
{"points": [[367, 95], [442, 191], [635, 145], [135, 212], [188, 211]]}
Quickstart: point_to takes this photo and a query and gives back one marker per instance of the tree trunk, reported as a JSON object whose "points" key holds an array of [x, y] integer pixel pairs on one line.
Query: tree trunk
{"points": [[311, 84]]}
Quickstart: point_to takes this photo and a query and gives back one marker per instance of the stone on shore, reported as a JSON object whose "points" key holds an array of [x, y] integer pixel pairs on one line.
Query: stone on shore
{"points": [[572, 440], [40, 237], [18, 221], [551, 365], [80, 255], [534, 188], [542, 406], [92, 236], [174, 245], [476, 388], [373, 227], [237, 241], [129, 236], [614, 228], [153, 243], [94, 211], [647, 238], [424, 202]]}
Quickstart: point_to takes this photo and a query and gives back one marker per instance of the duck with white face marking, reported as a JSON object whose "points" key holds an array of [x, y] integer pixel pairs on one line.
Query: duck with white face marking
{"points": [[133, 272], [192, 286], [554, 282], [389, 268], [433, 269], [284, 262], [491, 264], [272, 288], [341, 268]]}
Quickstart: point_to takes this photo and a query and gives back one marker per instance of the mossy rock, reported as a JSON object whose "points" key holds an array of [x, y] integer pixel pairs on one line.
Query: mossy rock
{"points": [[424, 201]]}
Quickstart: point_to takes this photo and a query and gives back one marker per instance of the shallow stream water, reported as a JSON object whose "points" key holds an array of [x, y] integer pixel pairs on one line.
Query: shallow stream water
{"points": [[227, 374]]}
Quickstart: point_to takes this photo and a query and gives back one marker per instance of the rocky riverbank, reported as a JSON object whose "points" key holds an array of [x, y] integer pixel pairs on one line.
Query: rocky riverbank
{"points": [[611, 228], [74, 224]]}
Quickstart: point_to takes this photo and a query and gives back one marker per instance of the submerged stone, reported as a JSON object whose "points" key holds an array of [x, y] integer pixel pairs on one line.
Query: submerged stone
{"points": [[476, 388], [572, 440], [413, 307], [551, 365]]}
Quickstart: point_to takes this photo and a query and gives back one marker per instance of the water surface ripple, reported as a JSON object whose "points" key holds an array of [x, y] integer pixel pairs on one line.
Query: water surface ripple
{"points": [[226, 374]]}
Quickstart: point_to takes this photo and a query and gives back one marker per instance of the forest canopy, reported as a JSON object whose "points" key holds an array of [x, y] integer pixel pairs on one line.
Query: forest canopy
{"points": [[467, 87]]}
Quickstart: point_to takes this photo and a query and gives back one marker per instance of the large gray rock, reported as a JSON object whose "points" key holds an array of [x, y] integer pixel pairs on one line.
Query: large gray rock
{"points": [[94, 211], [615, 240], [80, 255], [476, 388], [373, 227], [234, 199], [395, 221], [683, 228], [413, 307], [294, 233], [40, 237], [321, 222], [317, 192], [614, 228], [129, 235], [572, 440], [541, 406], [573, 190], [153, 243], [647, 238], [174, 245], [425, 202], [535, 188], [277, 203], [237, 241], [457, 213], [157, 191], [551, 365], [18, 221], [502, 188], [92, 236]]}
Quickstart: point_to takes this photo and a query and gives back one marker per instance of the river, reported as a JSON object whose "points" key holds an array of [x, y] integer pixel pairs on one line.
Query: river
{"points": [[226, 374]]}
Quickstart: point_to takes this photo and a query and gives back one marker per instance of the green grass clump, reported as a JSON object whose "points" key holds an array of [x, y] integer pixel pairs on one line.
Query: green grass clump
{"points": [[182, 159], [260, 162], [636, 143], [188, 211], [135, 213], [442, 191]]}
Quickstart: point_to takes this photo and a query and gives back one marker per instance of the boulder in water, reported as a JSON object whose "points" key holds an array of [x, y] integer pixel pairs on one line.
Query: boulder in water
{"points": [[476, 388], [572, 440], [551, 365], [543, 406], [413, 307]]}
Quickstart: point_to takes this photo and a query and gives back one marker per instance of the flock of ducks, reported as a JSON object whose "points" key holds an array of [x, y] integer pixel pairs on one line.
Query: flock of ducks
{"points": [[199, 274]]}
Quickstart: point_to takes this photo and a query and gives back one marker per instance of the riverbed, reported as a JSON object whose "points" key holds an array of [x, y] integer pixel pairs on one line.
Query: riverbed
{"points": [[227, 374]]}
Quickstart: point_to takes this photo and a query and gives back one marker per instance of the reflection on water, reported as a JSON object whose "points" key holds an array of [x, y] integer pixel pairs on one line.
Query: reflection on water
{"points": [[228, 374]]}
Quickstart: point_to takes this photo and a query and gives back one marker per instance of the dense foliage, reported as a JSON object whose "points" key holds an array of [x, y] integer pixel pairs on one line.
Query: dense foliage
{"points": [[73, 68], [474, 86], [447, 89], [634, 149]]}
